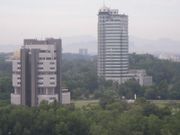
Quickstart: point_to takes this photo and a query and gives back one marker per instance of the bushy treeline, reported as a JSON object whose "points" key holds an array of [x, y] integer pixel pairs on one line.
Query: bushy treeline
{"points": [[162, 91], [161, 70], [80, 77], [113, 118], [165, 73], [5, 77], [5, 67]]}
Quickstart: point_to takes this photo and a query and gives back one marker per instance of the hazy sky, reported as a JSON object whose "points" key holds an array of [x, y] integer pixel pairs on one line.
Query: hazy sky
{"points": [[21, 19]]}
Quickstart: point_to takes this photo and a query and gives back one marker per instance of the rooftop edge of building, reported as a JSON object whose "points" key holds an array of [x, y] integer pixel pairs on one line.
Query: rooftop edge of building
{"points": [[107, 10], [46, 41]]}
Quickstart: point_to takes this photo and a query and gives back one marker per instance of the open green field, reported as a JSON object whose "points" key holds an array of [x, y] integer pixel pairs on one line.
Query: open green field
{"points": [[81, 103], [160, 103]]}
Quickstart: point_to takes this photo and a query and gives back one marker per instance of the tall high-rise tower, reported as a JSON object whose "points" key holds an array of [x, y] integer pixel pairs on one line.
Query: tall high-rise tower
{"points": [[112, 45]]}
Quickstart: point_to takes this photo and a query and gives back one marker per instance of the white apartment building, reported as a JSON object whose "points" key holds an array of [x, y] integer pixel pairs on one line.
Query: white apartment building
{"points": [[141, 76], [37, 72], [112, 45]]}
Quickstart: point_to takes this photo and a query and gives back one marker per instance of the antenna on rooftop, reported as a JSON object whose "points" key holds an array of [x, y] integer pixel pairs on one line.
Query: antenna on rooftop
{"points": [[104, 3]]}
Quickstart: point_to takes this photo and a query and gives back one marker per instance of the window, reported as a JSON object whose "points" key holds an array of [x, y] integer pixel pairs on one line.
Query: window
{"points": [[45, 51], [40, 83], [48, 58], [42, 51], [19, 83], [52, 68], [42, 58], [52, 83], [40, 68], [40, 78], [46, 73], [41, 91], [40, 63]]}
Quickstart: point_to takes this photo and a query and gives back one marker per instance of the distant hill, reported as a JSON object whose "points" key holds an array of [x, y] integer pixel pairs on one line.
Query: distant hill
{"points": [[138, 45], [8, 48], [164, 45]]}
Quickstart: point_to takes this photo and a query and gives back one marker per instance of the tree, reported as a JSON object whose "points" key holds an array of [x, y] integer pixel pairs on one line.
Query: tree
{"points": [[175, 91]]}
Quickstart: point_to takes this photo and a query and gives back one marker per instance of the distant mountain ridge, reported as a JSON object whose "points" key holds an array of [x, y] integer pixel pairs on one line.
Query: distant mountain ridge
{"points": [[138, 45], [163, 45]]}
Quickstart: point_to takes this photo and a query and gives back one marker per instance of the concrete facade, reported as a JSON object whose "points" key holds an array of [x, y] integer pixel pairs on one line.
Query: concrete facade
{"points": [[141, 76], [66, 96], [112, 45], [113, 49], [37, 72]]}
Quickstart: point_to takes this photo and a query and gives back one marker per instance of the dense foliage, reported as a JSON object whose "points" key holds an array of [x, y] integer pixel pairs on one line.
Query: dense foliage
{"points": [[5, 78], [79, 76], [114, 118], [161, 70], [165, 73]]}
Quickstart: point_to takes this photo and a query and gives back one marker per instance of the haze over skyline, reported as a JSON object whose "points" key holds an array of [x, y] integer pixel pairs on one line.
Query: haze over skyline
{"points": [[68, 18]]}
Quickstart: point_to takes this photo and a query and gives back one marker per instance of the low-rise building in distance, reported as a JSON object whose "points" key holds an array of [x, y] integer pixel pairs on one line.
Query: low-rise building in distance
{"points": [[141, 76], [83, 51]]}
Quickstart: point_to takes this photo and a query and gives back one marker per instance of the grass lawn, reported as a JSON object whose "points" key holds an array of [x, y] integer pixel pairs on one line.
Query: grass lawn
{"points": [[81, 103], [160, 103]]}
